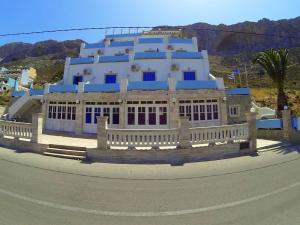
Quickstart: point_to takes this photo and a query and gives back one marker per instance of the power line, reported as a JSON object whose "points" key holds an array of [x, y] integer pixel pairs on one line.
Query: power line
{"points": [[147, 27]]}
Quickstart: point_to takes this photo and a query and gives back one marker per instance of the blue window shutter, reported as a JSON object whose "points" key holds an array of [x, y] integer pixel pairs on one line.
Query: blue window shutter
{"points": [[110, 78], [189, 75], [77, 79], [149, 76]]}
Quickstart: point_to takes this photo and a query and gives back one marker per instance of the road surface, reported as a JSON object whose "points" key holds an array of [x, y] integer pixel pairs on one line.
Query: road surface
{"points": [[264, 189]]}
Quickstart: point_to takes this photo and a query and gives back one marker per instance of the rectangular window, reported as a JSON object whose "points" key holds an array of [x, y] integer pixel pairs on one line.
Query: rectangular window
{"points": [[63, 114], [131, 115], [116, 116], [181, 111], [215, 112], [152, 115], [73, 112], [110, 78], [189, 75], [88, 115], [188, 111], [202, 112], [77, 79], [234, 110], [141, 115], [50, 112], [69, 113], [149, 76], [54, 112], [162, 115], [209, 112], [97, 112], [106, 112], [196, 112], [59, 112]]}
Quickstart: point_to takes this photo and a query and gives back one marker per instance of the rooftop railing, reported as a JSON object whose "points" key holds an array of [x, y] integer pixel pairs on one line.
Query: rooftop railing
{"points": [[94, 45], [63, 88], [196, 84], [102, 87], [187, 55], [85, 60], [150, 55], [116, 58]]}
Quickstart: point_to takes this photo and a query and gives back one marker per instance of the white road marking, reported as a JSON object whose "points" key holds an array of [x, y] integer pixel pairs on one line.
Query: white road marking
{"points": [[147, 214]]}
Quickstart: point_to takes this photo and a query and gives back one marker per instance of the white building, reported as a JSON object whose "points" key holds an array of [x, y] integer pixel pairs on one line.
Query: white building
{"points": [[140, 81]]}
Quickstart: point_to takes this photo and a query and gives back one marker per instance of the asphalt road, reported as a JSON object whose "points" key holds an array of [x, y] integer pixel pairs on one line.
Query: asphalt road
{"points": [[41, 190]]}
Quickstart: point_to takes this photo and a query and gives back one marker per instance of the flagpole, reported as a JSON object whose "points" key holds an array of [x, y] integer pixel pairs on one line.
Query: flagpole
{"points": [[246, 75]]}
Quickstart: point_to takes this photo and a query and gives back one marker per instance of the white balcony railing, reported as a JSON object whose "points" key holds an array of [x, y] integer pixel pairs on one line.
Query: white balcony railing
{"points": [[16, 129]]}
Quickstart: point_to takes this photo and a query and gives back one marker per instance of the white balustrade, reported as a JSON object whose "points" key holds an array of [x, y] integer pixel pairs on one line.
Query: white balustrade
{"points": [[204, 135], [16, 129], [142, 138], [170, 137]]}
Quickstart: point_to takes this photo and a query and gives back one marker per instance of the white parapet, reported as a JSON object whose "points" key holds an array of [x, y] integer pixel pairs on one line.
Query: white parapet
{"points": [[123, 85], [172, 84], [80, 87]]}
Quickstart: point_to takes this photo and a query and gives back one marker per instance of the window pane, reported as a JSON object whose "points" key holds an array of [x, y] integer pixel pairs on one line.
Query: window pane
{"points": [[196, 114], [59, 112], [209, 112], [116, 116], [131, 116], [73, 112], [88, 115], [54, 112], [50, 112], [189, 75], [148, 76], [69, 112], [63, 115], [110, 78], [152, 116], [141, 116], [162, 115], [97, 112]]}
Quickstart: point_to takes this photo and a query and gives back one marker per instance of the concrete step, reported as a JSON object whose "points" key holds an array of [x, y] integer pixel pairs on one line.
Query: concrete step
{"points": [[66, 151], [67, 147], [65, 156], [274, 147]]}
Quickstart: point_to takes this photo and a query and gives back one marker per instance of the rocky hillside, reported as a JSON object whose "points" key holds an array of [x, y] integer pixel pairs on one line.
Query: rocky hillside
{"points": [[226, 43]]}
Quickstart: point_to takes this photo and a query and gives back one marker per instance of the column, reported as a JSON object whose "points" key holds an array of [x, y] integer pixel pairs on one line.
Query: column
{"points": [[252, 131], [79, 117], [184, 132], [102, 132], [37, 127]]}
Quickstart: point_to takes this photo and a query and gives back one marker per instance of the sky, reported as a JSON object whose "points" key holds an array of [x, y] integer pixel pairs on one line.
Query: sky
{"points": [[36, 15]]}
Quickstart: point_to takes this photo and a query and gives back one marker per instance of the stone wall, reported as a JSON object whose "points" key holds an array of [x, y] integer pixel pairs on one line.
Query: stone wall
{"points": [[170, 156]]}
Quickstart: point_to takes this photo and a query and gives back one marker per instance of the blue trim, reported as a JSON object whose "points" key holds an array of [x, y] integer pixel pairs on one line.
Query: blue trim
{"points": [[150, 55], [62, 88], [94, 45], [122, 35], [269, 124], [121, 44], [34, 92], [151, 40], [18, 93], [187, 55], [148, 85], [119, 58], [180, 41], [199, 84], [86, 60], [238, 91], [102, 87]]}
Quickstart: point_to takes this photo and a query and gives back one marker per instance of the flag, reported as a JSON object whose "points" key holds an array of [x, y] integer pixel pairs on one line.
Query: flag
{"points": [[236, 71]]}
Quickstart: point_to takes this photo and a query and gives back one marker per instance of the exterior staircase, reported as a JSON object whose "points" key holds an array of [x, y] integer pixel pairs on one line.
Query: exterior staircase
{"points": [[64, 151]]}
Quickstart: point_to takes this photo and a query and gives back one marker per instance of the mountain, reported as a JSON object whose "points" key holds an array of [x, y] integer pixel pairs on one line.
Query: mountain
{"points": [[19, 50], [218, 39]]}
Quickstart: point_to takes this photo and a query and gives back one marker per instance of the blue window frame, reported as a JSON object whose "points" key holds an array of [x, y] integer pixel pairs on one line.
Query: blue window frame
{"points": [[149, 76], [110, 78], [189, 75], [88, 115], [77, 79], [97, 112]]}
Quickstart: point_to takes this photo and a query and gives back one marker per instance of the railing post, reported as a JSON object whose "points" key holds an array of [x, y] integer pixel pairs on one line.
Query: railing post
{"points": [[37, 127], [184, 132], [252, 132], [287, 124], [102, 132]]}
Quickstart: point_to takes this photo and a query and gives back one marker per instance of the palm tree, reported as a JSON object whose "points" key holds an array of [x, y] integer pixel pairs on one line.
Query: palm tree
{"points": [[275, 63]]}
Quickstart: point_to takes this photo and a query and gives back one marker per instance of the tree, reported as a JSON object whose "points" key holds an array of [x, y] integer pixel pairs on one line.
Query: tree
{"points": [[275, 63]]}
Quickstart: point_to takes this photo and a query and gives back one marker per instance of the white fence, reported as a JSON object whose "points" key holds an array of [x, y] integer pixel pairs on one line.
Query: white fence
{"points": [[142, 138], [171, 137], [16, 129], [204, 135]]}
